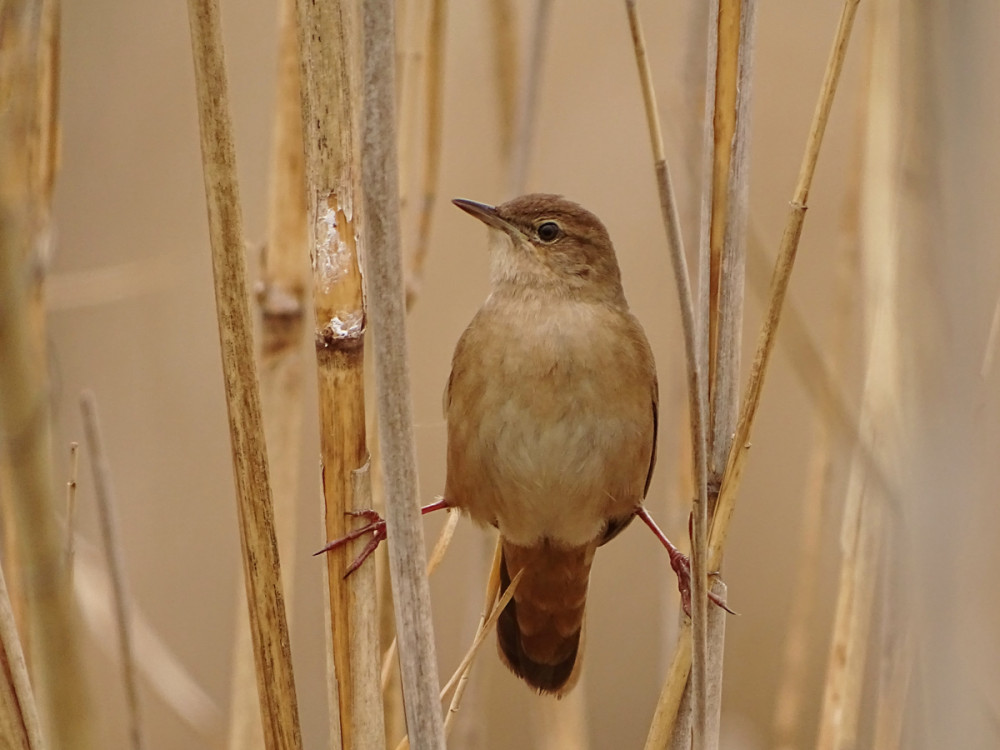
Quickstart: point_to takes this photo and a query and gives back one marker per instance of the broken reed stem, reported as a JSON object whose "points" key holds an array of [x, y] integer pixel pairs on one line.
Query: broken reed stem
{"points": [[100, 469], [330, 112], [407, 562], [19, 725], [527, 99], [433, 128], [29, 54], [280, 298], [695, 371], [670, 696], [275, 681]]}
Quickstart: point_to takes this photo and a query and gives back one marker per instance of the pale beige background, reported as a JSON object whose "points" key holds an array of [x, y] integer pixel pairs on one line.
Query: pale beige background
{"points": [[131, 191]]}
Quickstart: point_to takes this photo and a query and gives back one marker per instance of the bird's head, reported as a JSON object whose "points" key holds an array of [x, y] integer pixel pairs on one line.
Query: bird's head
{"points": [[542, 240]]}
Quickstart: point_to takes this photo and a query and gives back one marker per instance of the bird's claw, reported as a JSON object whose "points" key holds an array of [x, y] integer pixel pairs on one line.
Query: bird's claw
{"points": [[682, 568], [375, 527]]}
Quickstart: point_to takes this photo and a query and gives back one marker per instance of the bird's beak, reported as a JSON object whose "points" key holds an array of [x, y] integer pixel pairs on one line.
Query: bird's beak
{"points": [[487, 214]]}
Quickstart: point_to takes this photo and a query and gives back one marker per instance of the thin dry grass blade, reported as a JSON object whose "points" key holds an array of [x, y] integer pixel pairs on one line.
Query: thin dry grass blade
{"points": [[69, 544], [122, 602], [505, 64], [275, 681], [527, 99], [696, 359]]}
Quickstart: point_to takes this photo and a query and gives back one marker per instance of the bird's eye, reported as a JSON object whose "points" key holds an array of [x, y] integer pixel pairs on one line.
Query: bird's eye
{"points": [[548, 231]]}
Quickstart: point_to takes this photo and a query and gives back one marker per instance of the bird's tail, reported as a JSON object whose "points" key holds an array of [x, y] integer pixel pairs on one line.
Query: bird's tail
{"points": [[540, 632]]}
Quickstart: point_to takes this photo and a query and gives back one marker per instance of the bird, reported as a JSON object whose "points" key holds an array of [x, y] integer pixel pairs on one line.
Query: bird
{"points": [[551, 409]]}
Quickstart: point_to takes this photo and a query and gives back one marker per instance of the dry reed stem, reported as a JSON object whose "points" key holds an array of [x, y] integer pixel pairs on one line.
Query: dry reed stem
{"points": [[819, 378], [694, 358], [433, 129], [281, 300], [505, 65], [69, 547], [160, 668], [779, 284], [19, 725], [437, 555], [864, 532], [461, 674], [275, 681], [527, 99], [728, 242], [29, 57], [100, 469], [330, 114], [670, 696], [407, 562]]}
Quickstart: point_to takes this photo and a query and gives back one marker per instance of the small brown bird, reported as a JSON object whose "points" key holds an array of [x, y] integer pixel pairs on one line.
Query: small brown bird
{"points": [[552, 412], [551, 409]]}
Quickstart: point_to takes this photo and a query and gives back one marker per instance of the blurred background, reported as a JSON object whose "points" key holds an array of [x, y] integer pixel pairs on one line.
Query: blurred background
{"points": [[132, 317]]}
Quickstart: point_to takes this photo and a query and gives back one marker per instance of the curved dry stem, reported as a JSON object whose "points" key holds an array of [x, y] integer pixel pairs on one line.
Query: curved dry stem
{"points": [[695, 371]]}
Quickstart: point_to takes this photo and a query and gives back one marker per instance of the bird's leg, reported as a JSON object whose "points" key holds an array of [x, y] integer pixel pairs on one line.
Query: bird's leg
{"points": [[375, 527], [680, 564]]}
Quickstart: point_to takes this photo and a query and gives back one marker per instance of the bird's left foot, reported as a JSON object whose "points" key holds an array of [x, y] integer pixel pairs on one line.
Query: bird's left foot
{"points": [[681, 566], [375, 527]]}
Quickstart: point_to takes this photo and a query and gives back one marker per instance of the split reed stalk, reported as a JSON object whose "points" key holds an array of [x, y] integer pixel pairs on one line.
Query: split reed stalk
{"points": [[407, 560], [673, 688], [281, 301], [330, 112], [261, 568], [29, 69]]}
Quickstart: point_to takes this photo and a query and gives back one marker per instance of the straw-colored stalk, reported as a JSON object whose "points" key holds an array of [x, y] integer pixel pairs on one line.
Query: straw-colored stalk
{"points": [[275, 681], [281, 301], [696, 369], [28, 150], [114, 557], [330, 113], [407, 558], [820, 376], [69, 548], [673, 688], [19, 725], [864, 532]]}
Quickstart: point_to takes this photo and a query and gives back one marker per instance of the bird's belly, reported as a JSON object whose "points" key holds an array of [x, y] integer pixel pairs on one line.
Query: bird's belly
{"points": [[561, 462]]}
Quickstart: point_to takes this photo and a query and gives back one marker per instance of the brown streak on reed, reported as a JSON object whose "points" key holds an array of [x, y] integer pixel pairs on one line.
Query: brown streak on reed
{"points": [[407, 560], [696, 367], [114, 557], [673, 688], [330, 112], [261, 567], [281, 301], [69, 548], [29, 69]]}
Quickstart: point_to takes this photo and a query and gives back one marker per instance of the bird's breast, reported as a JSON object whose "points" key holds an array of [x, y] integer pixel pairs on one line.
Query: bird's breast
{"points": [[550, 419]]}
